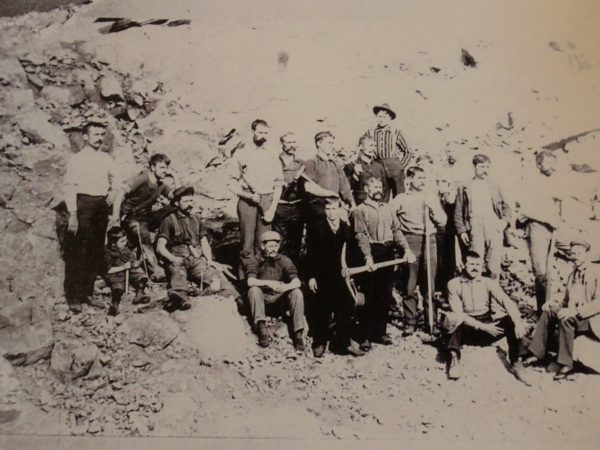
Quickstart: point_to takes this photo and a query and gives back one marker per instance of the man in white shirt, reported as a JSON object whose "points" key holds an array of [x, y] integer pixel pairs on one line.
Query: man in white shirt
{"points": [[87, 181]]}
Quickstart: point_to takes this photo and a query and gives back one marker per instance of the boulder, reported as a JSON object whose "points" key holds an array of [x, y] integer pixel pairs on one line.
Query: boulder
{"points": [[36, 126], [25, 332], [72, 358], [64, 95], [10, 393], [154, 329], [110, 87], [12, 73], [215, 328], [16, 101]]}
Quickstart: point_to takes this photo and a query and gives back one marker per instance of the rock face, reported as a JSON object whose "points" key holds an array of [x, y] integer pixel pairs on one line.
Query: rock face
{"points": [[10, 393], [155, 329], [25, 333], [72, 359]]}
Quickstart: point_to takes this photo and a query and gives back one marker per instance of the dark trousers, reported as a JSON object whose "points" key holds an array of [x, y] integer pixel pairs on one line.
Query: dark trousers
{"points": [[465, 334], [332, 298], [416, 274], [539, 237], [567, 331], [252, 226], [394, 176], [446, 260], [83, 250], [378, 287], [289, 223]]}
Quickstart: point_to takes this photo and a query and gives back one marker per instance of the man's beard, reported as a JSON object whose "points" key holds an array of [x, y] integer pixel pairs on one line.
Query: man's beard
{"points": [[259, 141], [377, 196]]}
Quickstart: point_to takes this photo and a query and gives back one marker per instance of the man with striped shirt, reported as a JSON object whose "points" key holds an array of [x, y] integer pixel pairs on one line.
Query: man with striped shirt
{"points": [[392, 150]]}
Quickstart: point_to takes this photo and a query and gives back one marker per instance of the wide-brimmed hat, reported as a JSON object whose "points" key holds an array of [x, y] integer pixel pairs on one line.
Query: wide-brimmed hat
{"points": [[582, 242], [384, 107], [183, 191]]}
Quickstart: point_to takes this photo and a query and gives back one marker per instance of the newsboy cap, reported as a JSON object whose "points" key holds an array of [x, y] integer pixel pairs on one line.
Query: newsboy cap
{"points": [[270, 236], [183, 191]]}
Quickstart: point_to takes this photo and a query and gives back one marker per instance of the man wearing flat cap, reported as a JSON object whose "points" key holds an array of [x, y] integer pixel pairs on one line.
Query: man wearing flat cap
{"points": [[273, 281], [578, 314], [392, 150], [182, 242]]}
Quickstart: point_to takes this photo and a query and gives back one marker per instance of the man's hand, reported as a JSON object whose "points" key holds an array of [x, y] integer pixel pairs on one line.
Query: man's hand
{"points": [[548, 306], [268, 216], [502, 224], [464, 237], [492, 328], [312, 285], [566, 313], [358, 169], [410, 257], [177, 260], [370, 263], [254, 197], [520, 329], [73, 222], [114, 221], [277, 286]]}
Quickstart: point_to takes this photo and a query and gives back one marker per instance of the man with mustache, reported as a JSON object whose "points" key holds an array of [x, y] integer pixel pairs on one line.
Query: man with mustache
{"points": [[273, 281], [377, 231], [482, 214], [257, 180], [87, 181], [182, 242], [365, 167]]}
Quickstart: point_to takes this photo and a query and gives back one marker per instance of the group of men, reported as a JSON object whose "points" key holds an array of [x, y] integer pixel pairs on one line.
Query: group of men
{"points": [[407, 225]]}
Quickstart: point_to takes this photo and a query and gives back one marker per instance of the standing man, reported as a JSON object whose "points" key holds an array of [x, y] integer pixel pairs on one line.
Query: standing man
{"points": [[87, 181], [327, 180], [413, 208], [182, 242], [540, 211], [273, 280], [288, 221], [257, 180], [365, 167], [578, 314], [481, 313], [482, 214], [134, 203], [377, 232], [392, 150], [326, 281]]}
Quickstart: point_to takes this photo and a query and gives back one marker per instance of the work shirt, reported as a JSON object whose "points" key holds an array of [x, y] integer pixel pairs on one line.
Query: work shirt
{"points": [[537, 199], [329, 175], [181, 229], [88, 172], [116, 257], [142, 193], [376, 224], [292, 186], [390, 144], [409, 207], [258, 169], [479, 296], [583, 290], [280, 268]]}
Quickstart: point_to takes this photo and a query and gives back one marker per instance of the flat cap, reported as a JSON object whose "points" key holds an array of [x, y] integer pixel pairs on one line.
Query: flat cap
{"points": [[183, 191], [270, 236]]}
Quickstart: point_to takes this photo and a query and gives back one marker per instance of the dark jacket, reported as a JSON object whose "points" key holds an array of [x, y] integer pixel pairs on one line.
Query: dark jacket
{"points": [[324, 250], [462, 213]]}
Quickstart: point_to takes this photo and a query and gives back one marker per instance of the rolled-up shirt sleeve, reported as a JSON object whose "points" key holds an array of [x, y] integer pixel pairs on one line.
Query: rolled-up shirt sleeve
{"points": [[361, 231]]}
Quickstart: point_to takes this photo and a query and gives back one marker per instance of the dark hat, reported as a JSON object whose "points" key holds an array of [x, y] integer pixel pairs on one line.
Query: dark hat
{"points": [[384, 107], [581, 242], [270, 236], [115, 233], [183, 191]]}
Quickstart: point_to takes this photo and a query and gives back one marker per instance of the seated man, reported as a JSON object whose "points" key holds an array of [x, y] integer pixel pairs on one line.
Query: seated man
{"points": [[578, 315], [481, 313], [273, 278], [183, 244]]}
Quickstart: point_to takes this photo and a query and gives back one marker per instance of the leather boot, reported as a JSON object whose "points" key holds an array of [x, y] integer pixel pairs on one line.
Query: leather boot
{"points": [[263, 334], [298, 340]]}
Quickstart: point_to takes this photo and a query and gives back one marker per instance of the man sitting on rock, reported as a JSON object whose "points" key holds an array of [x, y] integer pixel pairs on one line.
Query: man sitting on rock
{"points": [[118, 259], [134, 202], [272, 279], [481, 313], [578, 315], [182, 242]]}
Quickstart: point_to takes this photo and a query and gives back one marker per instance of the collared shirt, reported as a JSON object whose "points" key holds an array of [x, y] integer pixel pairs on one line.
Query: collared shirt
{"points": [[376, 223], [583, 290], [88, 172], [281, 268], [142, 193], [115, 257], [329, 175], [479, 296], [181, 229], [259, 169], [409, 207], [390, 144], [292, 188]]}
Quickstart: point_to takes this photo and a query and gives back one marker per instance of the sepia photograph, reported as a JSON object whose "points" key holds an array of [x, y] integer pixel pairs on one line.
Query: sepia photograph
{"points": [[299, 224]]}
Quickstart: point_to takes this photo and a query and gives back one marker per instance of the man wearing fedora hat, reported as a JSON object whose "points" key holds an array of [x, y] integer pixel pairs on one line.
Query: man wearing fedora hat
{"points": [[578, 314], [182, 242], [392, 150], [273, 281]]}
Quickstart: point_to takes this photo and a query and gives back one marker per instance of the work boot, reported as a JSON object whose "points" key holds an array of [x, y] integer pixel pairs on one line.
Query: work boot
{"points": [[75, 307], [180, 300], [454, 367], [409, 330], [113, 309], [365, 346], [298, 341], [319, 350], [140, 298], [518, 371], [563, 373], [263, 334], [354, 350], [384, 339]]}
